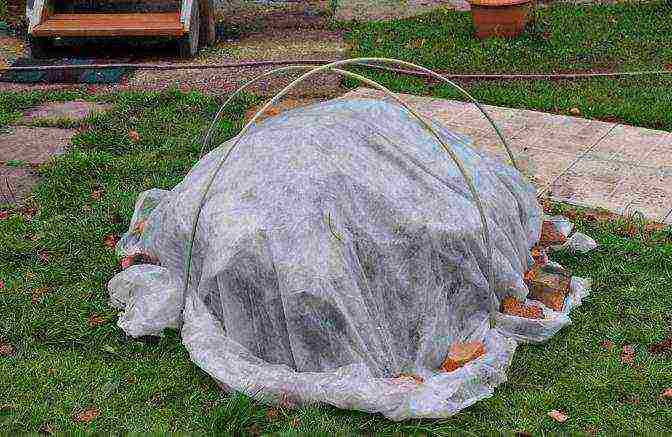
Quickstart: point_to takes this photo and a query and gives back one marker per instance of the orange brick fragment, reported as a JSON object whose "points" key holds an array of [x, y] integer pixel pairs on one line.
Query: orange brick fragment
{"points": [[548, 285], [518, 308], [550, 236], [462, 353]]}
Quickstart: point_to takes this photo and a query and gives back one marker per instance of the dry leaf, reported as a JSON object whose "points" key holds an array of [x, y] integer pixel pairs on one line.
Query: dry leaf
{"points": [[6, 349], [39, 294], [134, 136], [607, 344], [408, 377], [558, 416], [295, 423], [111, 241], [97, 194], [139, 228], [4, 215], [96, 320], [628, 354], [86, 416], [127, 261], [46, 428], [663, 346], [666, 394], [51, 371], [592, 430], [272, 413], [575, 111]]}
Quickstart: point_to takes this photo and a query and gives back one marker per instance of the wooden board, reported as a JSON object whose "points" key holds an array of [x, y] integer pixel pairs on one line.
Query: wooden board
{"points": [[105, 25]]}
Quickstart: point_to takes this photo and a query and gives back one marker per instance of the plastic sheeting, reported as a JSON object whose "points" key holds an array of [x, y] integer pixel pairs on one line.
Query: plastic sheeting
{"points": [[339, 247]]}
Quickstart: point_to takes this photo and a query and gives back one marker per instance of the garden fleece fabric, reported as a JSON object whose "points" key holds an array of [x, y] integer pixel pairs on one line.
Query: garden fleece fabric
{"points": [[338, 247]]}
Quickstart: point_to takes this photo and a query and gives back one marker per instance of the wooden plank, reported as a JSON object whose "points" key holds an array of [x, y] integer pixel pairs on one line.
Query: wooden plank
{"points": [[106, 25]]}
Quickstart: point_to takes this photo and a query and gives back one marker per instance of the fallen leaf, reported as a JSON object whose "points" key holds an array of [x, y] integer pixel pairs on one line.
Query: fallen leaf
{"points": [[666, 394], [139, 228], [30, 211], [96, 320], [254, 430], [575, 111], [558, 416], [86, 416], [607, 344], [127, 261], [632, 400], [97, 194], [4, 215], [51, 371], [272, 413], [111, 241], [134, 136], [663, 346], [46, 428], [39, 294], [408, 377], [296, 422], [6, 349], [628, 354]]}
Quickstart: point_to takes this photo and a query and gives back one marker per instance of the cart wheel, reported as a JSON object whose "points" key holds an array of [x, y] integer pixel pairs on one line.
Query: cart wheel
{"points": [[40, 48], [187, 46]]}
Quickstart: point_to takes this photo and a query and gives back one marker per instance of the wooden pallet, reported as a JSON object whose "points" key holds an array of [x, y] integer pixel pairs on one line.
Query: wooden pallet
{"points": [[111, 25]]}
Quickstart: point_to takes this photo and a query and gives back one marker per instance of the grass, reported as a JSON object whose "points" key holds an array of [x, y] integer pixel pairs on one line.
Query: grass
{"points": [[562, 39], [55, 266], [63, 365]]}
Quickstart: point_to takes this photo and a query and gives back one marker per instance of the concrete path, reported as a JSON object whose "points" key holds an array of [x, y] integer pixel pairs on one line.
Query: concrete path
{"points": [[584, 162]]}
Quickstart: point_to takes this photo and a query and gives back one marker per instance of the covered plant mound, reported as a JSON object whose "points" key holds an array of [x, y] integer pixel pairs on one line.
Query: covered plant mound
{"points": [[338, 249]]}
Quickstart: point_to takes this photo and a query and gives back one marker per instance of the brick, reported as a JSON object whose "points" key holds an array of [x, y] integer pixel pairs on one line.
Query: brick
{"points": [[518, 308], [550, 236], [461, 354], [548, 285]]}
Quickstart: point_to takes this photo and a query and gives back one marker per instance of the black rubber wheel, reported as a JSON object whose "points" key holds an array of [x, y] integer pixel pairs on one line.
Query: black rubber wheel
{"points": [[187, 46], [40, 48]]}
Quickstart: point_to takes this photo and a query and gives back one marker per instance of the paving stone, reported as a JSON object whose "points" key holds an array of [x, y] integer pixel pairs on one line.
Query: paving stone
{"points": [[632, 144], [647, 191], [592, 182], [75, 110], [33, 145], [16, 183], [617, 167]]}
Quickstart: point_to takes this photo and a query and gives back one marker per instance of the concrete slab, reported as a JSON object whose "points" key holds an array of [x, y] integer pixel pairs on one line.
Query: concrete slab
{"points": [[16, 183], [586, 162], [76, 110], [33, 145]]}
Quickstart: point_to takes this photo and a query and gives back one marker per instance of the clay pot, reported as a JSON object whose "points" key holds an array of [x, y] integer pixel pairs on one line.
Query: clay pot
{"points": [[503, 18]]}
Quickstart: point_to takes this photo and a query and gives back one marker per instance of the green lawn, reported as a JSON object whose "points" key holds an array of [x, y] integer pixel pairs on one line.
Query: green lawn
{"points": [[55, 266], [563, 39]]}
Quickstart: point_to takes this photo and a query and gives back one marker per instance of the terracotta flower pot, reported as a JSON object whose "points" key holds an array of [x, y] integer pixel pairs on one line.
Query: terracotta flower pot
{"points": [[504, 18]]}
